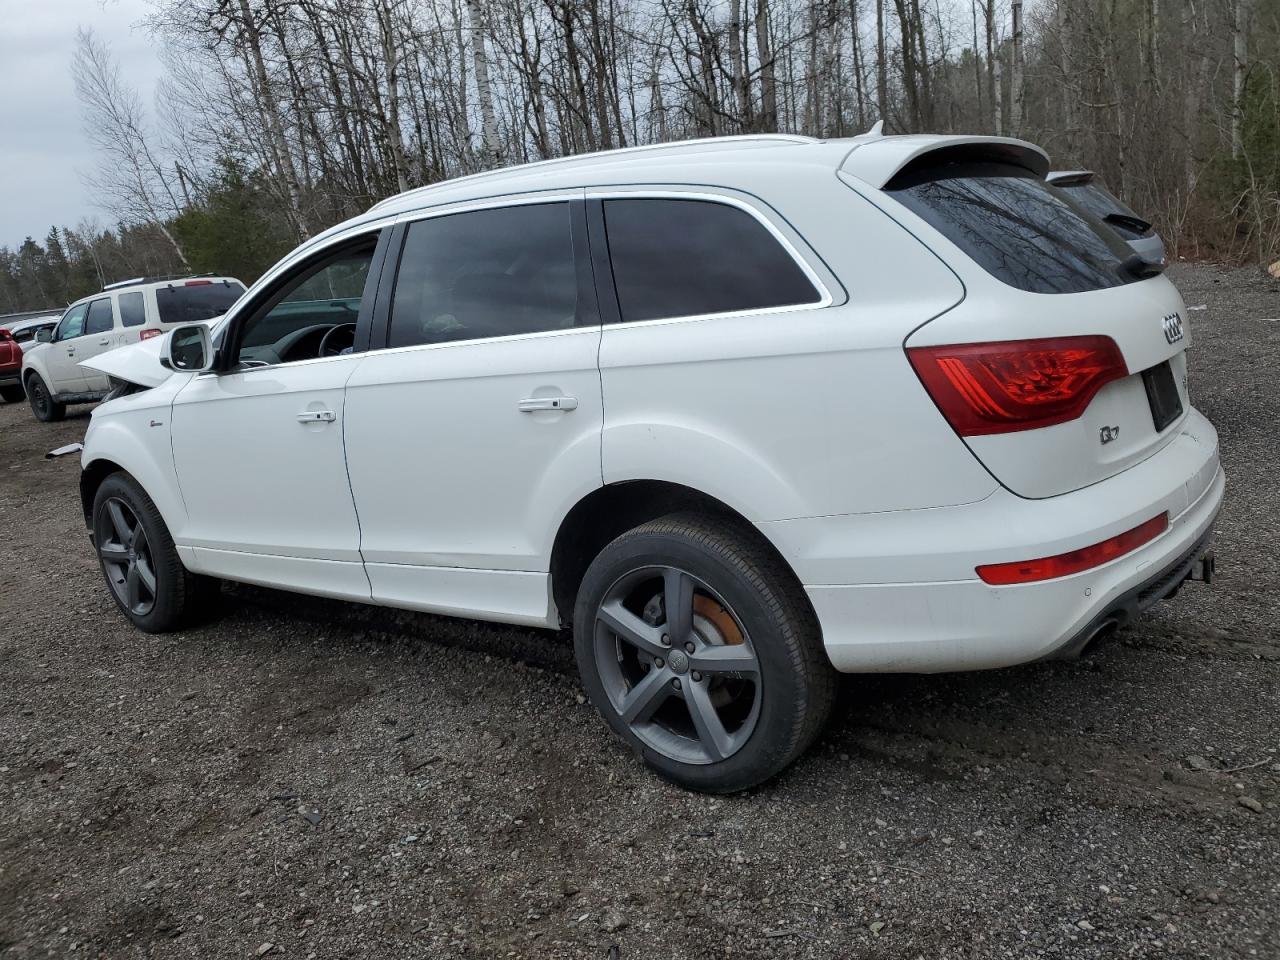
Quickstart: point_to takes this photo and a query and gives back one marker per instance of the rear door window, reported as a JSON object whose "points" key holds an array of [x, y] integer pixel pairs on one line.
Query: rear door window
{"points": [[1017, 227], [486, 273], [195, 300], [683, 258], [132, 310], [100, 318]]}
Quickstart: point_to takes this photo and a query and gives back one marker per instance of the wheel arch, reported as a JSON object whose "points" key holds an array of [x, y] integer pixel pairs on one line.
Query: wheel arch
{"points": [[611, 510], [91, 477]]}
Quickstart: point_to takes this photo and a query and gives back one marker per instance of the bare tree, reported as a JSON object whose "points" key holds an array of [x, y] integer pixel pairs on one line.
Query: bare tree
{"points": [[133, 182]]}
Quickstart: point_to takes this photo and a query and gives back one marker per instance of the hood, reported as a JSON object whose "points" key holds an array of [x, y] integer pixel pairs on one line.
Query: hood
{"points": [[136, 363]]}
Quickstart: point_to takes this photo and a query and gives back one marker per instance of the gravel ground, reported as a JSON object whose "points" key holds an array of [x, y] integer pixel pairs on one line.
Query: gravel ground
{"points": [[305, 778]]}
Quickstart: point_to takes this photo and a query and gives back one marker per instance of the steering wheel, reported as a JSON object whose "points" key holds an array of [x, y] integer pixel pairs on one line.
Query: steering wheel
{"points": [[337, 338]]}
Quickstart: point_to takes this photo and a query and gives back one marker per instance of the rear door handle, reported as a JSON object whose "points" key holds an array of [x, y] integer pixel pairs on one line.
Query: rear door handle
{"points": [[104, 341], [317, 416], [530, 404]]}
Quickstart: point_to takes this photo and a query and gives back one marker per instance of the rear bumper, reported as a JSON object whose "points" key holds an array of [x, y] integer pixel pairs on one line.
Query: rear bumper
{"points": [[11, 377], [897, 592]]}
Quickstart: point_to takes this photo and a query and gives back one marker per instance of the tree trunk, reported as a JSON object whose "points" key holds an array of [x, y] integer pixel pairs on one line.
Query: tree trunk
{"points": [[1240, 67], [492, 147], [882, 77], [768, 83], [1016, 92]]}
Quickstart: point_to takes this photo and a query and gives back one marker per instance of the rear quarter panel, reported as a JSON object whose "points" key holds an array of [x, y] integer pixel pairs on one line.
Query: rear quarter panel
{"points": [[801, 413]]}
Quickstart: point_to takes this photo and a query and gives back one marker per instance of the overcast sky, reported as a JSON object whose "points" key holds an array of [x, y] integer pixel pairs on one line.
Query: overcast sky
{"points": [[43, 153]]}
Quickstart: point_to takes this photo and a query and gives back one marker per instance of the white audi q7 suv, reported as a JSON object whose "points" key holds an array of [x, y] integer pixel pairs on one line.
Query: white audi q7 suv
{"points": [[742, 412]]}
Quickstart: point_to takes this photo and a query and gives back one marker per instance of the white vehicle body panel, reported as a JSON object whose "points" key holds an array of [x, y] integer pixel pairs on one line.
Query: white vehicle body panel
{"points": [[448, 473], [430, 489], [258, 481]]}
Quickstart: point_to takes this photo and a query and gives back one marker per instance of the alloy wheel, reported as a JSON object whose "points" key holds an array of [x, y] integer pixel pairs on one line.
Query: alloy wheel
{"points": [[677, 665], [126, 556]]}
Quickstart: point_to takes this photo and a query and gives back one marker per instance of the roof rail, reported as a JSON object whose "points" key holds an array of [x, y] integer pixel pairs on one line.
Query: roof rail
{"points": [[623, 151], [158, 279]]}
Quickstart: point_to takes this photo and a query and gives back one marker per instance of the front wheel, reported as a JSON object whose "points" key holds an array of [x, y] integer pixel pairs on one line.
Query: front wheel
{"points": [[46, 409], [140, 563], [701, 651]]}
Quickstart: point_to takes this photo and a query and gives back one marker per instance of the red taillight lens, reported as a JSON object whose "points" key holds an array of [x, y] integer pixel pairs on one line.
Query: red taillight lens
{"points": [[148, 334], [1074, 561], [198, 283], [1009, 385]]}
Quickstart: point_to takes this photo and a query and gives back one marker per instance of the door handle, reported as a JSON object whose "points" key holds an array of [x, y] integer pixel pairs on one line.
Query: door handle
{"points": [[530, 404], [317, 416], [103, 342]]}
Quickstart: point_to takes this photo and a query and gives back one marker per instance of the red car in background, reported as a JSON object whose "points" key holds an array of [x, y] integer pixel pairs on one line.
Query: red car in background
{"points": [[10, 368]]}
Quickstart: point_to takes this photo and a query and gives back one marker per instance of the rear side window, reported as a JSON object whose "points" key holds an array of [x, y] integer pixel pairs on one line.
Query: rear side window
{"points": [[132, 311], [683, 258], [486, 273], [196, 300], [100, 318], [1018, 228]]}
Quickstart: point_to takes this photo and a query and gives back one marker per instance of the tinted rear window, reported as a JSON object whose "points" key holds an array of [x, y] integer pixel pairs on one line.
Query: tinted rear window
{"points": [[1100, 201], [683, 258], [132, 312], [191, 304], [1018, 228]]}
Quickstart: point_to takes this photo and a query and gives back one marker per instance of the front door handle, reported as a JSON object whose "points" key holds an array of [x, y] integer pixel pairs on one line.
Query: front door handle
{"points": [[317, 416], [103, 342], [530, 404]]}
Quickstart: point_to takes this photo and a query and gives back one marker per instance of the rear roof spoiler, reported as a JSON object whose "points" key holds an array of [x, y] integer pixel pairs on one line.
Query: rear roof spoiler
{"points": [[877, 161]]}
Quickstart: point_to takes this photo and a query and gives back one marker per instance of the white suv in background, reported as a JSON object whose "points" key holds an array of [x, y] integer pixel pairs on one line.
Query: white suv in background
{"points": [[122, 313], [742, 412]]}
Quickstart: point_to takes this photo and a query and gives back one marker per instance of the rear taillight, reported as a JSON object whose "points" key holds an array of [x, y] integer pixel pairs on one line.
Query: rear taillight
{"points": [[148, 334], [1074, 561], [198, 283], [1009, 385]]}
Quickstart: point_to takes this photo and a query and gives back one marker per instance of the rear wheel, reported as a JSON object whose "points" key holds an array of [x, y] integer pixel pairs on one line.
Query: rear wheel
{"points": [[701, 651], [42, 402], [14, 394], [140, 563]]}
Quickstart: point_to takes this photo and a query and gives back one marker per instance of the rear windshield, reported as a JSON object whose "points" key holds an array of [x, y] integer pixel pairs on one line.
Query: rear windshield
{"points": [[1102, 203], [1018, 228], [191, 304]]}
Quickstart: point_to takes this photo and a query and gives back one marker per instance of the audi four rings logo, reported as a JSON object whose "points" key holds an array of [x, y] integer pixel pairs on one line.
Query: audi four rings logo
{"points": [[1172, 324]]}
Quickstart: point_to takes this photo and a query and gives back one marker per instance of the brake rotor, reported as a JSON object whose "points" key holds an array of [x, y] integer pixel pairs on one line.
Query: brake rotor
{"points": [[720, 620]]}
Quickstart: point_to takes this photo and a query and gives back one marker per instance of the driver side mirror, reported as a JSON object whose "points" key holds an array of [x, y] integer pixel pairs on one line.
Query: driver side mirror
{"points": [[44, 335], [188, 349]]}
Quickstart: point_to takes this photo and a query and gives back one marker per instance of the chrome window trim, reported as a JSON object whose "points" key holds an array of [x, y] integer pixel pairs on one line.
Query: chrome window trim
{"points": [[673, 192]]}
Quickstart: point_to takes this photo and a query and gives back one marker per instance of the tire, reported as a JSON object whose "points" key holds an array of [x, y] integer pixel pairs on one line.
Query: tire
{"points": [[745, 604], [13, 394], [143, 573], [46, 409]]}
